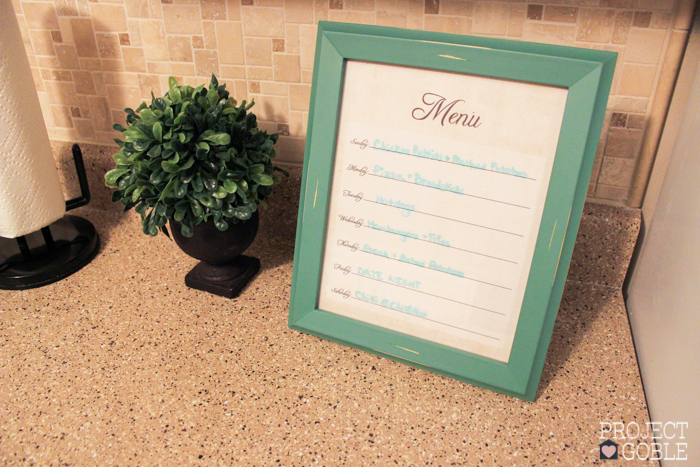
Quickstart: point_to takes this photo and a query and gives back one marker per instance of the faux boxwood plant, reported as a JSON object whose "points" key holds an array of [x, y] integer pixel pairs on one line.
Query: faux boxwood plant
{"points": [[193, 155]]}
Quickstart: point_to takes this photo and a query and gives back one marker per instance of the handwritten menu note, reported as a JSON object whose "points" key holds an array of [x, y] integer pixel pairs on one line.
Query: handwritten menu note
{"points": [[437, 193]]}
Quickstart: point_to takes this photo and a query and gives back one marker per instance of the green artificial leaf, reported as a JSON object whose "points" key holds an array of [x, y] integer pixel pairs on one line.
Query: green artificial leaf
{"points": [[222, 139], [170, 167], [220, 193], [256, 169], [179, 215], [148, 116], [207, 201], [112, 176], [221, 224], [243, 185], [158, 131], [262, 179], [196, 208], [230, 186]]}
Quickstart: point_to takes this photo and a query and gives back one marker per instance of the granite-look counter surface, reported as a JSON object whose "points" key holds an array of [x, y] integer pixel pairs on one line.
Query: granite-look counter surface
{"points": [[121, 364]]}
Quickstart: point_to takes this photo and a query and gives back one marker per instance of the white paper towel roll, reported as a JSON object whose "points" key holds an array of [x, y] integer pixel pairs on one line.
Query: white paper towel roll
{"points": [[30, 190]]}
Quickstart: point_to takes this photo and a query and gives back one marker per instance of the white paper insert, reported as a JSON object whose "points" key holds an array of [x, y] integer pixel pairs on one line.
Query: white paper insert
{"points": [[438, 190]]}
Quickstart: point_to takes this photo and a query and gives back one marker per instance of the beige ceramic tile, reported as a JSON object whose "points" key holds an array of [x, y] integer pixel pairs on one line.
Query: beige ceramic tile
{"points": [[299, 96], [67, 56], [155, 9], [158, 67], [108, 45], [233, 10], [84, 128], [549, 33], [361, 5], [121, 97], [108, 17], [134, 32], [209, 34], [356, 17], [595, 25], [644, 45], [148, 84], [613, 193], [272, 108], [182, 19], [561, 14], [320, 10], [42, 42], [84, 83], [631, 104], [273, 89], [263, 22], [623, 143], [516, 20], [291, 40], [181, 69], [616, 171], [307, 76], [180, 48], [623, 22], [286, 68], [636, 121], [258, 51], [66, 8], [230, 36], [490, 18], [259, 72], [307, 45], [40, 15], [296, 124], [206, 62], [299, 11], [666, 5], [636, 80], [660, 20], [233, 72], [61, 116], [61, 93], [153, 39], [213, 9], [457, 7], [414, 14], [134, 59], [449, 24], [137, 8], [66, 30], [391, 13]]}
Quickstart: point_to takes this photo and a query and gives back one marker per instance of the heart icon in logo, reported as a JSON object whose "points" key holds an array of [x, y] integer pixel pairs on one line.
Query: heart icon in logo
{"points": [[608, 451]]}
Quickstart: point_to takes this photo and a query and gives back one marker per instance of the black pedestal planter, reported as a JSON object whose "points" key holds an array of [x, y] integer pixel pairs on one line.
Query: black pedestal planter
{"points": [[223, 270]]}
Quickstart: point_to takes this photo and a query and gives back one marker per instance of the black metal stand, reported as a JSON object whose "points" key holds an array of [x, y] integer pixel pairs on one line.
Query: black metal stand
{"points": [[54, 252]]}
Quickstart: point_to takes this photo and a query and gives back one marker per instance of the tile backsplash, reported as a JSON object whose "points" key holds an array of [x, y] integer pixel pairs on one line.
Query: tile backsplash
{"points": [[91, 58]]}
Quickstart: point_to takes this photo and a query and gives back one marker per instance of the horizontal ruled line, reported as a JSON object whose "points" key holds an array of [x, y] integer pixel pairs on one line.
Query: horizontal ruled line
{"points": [[426, 293], [436, 270], [450, 191], [427, 319], [446, 246], [454, 163], [446, 218]]}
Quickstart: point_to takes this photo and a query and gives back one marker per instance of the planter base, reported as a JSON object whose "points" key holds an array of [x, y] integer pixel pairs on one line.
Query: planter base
{"points": [[227, 280]]}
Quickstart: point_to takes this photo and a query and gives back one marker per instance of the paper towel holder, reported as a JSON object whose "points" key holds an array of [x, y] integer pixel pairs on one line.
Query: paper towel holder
{"points": [[55, 251]]}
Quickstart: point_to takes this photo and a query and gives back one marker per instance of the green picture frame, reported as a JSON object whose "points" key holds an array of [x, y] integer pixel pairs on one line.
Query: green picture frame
{"points": [[586, 74]]}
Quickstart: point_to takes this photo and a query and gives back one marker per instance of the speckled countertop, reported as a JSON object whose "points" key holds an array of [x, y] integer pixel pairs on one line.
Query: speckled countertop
{"points": [[121, 364]]}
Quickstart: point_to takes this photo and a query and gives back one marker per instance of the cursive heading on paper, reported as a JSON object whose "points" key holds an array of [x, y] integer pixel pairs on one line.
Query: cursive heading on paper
{"points": [[443, 111]]}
